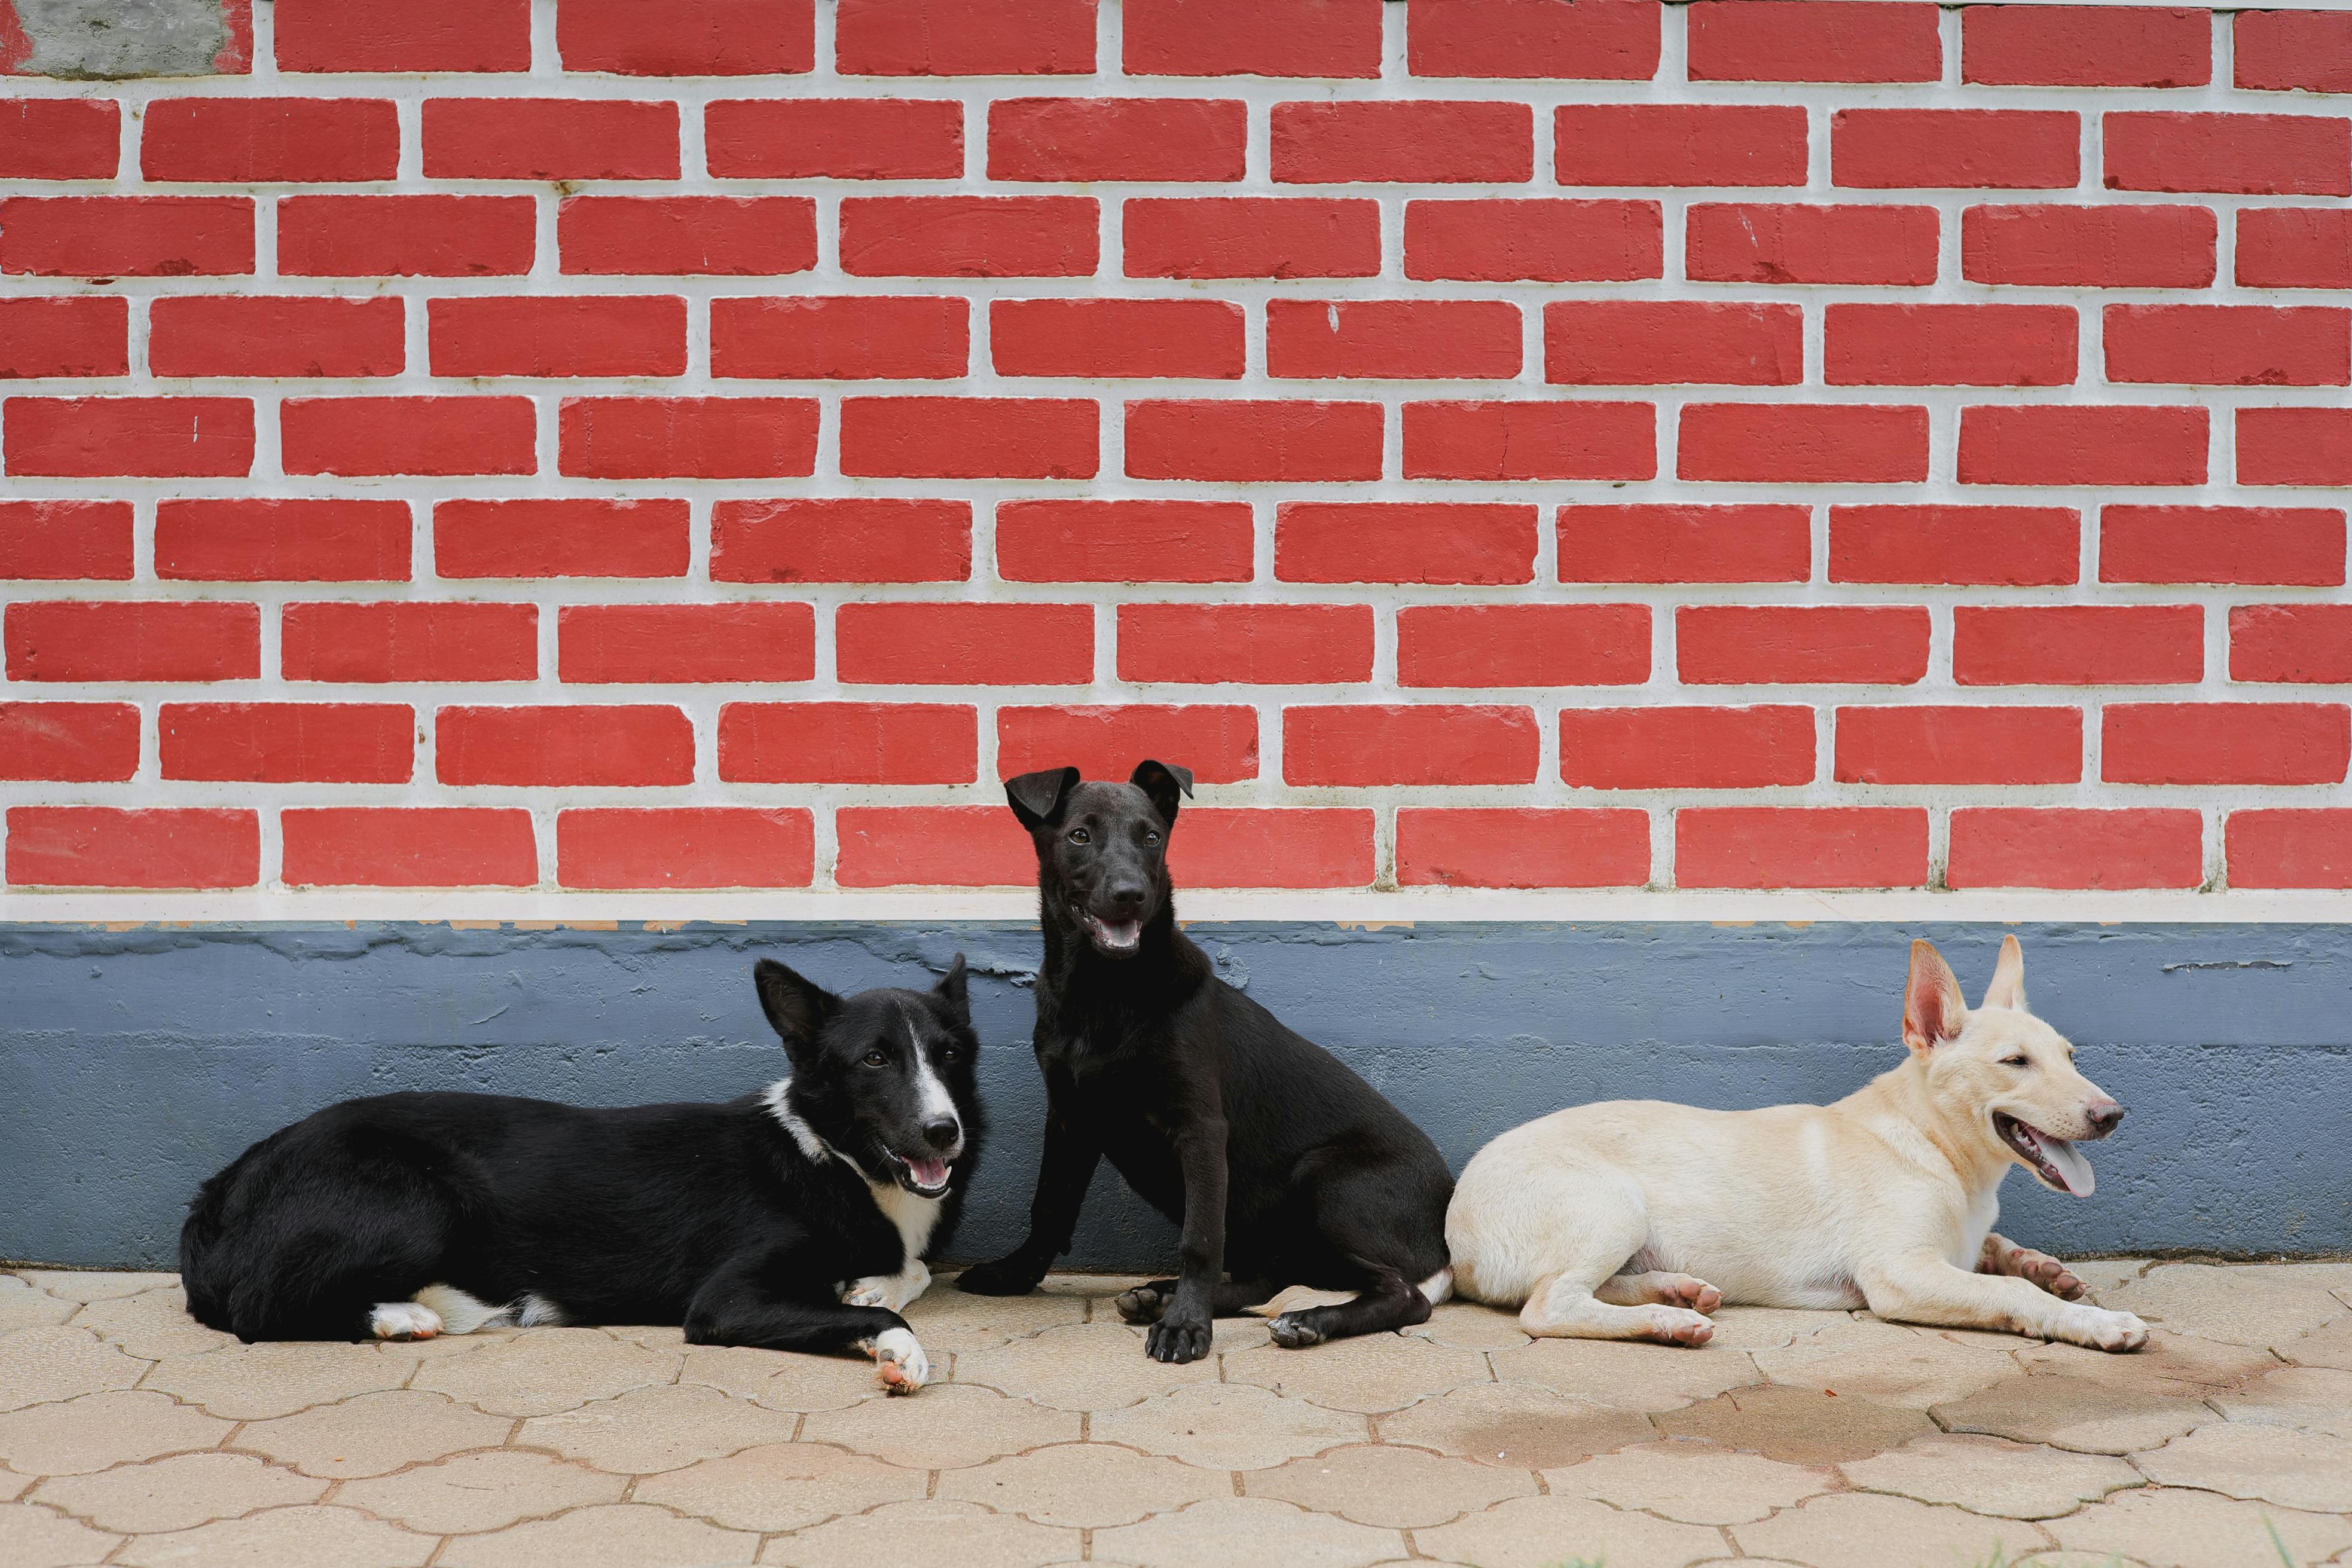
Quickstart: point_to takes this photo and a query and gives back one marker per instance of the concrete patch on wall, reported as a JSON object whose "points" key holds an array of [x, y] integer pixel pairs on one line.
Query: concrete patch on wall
{"points": [[109, 41]]}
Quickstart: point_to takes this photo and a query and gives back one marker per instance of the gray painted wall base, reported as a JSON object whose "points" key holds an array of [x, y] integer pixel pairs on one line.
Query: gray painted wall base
{"points": [[134, 1063]]}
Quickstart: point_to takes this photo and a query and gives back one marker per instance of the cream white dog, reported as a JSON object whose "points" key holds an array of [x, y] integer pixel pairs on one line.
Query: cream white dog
{"points": [[1634, 1219]]}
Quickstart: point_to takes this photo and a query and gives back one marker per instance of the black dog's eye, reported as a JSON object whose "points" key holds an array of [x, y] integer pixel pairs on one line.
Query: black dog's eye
{"points": [[1080, 836], [1150, 841], [876, 1059], [2014, 1062]]}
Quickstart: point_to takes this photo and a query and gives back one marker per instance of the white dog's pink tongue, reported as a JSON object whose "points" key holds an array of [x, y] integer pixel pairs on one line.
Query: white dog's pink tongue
{"points": [[2072, 1169], [930, 1173]]}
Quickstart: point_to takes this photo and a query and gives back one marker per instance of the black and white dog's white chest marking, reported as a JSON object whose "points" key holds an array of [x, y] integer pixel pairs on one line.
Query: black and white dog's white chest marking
{"points": [[913, 1216]]}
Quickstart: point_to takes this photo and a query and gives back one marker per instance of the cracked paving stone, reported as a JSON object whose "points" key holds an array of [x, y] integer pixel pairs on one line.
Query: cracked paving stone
{"points": [[2258, 1305], [1391, 1487], [1471, 1326], [2273, 1464], [23, 1307], [1994, 1476], [178, 1493], [945, 1318], [1887, 1363], [1087, 1485], [1515, 1426], [1369, 1375], [1206, 1536], [2073, 1413], [37, 1538], [1860, 1530], [13, 1487], [2169, 1364], [1648, 1377], [1546, 1532], [152, 1326], [2166, 1527], [782, 1380], [94, 1285], [633, 1534], [2330, 1344], [1082, 1366], [1229, 1426], [255, 1382], [1695, 1483], [1769, 1328], [1798, 1425], [665, 1427], [780, 1486], [481, 1491], [303, 1537], [96, 1430], [547, 1370], [957, 1426], [927, 1534], [374, 1434], [44, 1364], [2314, 1398]]}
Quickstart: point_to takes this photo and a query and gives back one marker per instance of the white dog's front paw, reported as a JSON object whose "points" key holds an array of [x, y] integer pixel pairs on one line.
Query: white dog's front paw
{"points": [[899, 1362], [2099, 1329]]}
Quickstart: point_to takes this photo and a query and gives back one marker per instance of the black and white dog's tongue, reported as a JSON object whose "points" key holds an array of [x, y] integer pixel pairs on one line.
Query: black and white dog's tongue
{"points": [[928, 1173]]}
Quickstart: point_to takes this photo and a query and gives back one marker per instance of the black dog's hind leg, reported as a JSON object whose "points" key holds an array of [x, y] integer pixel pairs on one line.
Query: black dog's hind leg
{"points": [[1389, 1301], [736, 1307], [1147, 1301], [1065, 1170]]}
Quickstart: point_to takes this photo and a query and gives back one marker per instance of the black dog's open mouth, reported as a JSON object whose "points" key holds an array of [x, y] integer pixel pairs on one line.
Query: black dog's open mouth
{"points": [[1116, 939], [2053, 1160], [925, 1178]]}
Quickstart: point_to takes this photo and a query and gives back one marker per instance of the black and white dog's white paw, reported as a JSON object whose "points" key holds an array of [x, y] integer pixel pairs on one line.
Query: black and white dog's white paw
{"points": [[403, 1320], [896, 1291], [899, 1363]]}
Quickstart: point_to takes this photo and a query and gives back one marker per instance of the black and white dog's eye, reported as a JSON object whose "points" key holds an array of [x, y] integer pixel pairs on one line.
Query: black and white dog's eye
{"points": [[1080, 836], [876, 1059]]}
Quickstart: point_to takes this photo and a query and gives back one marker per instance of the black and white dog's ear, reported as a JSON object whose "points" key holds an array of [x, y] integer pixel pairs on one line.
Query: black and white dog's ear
{"points": [[951, 990], [1162, 781], [1036, 797], [796, 1007]]}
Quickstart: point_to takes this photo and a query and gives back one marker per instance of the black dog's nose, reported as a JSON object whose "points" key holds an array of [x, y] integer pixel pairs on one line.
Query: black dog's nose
{"points": [[942, 1133], [1127, 894], [2104, 1117]]}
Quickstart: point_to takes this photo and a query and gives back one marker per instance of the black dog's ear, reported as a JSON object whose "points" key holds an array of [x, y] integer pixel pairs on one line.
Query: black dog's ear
{"points": [[1161, 781], [951, 990], [1035, 796], [796, 1008]]}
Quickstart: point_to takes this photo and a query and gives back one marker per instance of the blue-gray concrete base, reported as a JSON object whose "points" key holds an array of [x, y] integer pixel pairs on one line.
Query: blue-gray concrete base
{"points": [[133, 1063]]}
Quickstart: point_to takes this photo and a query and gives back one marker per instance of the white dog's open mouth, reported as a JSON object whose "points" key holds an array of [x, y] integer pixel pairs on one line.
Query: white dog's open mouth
{"points": [[2053, 1160], [1119, 937], [926, 1178]]}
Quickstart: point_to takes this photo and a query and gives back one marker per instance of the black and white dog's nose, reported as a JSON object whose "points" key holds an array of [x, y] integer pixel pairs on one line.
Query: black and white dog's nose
{"points": [[943, 1132]]}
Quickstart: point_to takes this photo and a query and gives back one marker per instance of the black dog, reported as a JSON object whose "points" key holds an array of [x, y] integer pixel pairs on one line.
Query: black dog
{"points": [[793, 1220], [1280, 1164]]}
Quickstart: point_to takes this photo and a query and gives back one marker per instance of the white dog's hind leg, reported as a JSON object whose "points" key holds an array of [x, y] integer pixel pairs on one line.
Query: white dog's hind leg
{"points": [[1566, 1308], [1586, 1230], [1659, 1289]]}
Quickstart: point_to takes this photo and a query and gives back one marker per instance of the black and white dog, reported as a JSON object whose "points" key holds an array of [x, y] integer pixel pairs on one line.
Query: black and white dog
{"points": [[793, 1220], [1282, 1166]]}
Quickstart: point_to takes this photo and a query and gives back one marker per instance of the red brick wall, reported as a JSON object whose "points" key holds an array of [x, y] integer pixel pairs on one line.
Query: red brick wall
{"points": [[1756, 443]]}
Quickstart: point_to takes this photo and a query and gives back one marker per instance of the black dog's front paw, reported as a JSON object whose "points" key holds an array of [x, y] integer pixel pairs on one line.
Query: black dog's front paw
{"points": [[1014, 1276], [1179, 1339]]}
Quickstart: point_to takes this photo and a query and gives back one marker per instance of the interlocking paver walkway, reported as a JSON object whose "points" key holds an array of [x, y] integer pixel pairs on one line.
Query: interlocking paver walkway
{"points": [[130, 1434]]}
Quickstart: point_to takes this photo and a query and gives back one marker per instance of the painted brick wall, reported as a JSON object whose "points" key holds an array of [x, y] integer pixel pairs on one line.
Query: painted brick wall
{"points": [[682, 444]]}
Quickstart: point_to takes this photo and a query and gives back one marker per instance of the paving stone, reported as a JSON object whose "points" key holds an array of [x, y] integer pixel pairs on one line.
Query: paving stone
{"points": [[374, 1434], [1797, 1426], [959, 1425], [481, 1491], [1515, 1426], [945, 1318], [55, 1362], [1369, 1374], [780, 1486], [1767, 1328], [102, 1429], [1993, 1476], [2166, 1527], [667, 1428], [546, 1370], [305, 1537], [1207, 1535], [1546, 1532], [2256, 1305], [628, 1532], [1860, 1529], [255, 1382], [1088, 1485], [2329, 1344], [1696, 1483], [2313, 1398], [13, 1486], [178, 1493], [2073, 1413], [1083, 1366], [37, 1538], [1887, 1363], [782, 1380], [1392, 1488], [2275, 1464], [1471, 1326], [1632, 1376], [2172, 1363], [653, 1336], [94, 1284], [23, 1307], [927, 1534], [1230, 1427], [152, 1326], [2103, 1274]]}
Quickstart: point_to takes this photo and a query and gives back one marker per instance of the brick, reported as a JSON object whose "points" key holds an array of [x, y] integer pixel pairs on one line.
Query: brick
{"points": [[2082, 445], [964, 645], [97, 846], [2294, 446], [1814, 40], [1679, 144], [1981, 148], [195, 335], [2094, 246], [1537, 241], [964, 37], [834, 138], [684, 643], [2250, 154], [1511, 441], [550, 139], [132, 639], [1401, 141], [2298, 546], [81, 335], [2290, 643], [59, 137], [1124, 541], [1290, 848], [2294, 247], [858, 538], [970, 437], [1592, 40], [407, 435], [1800, 846], [2078, 645], [1949, 345], [2292, 51], [1252, 37], [1654, 342], [415, 36], [1363, 744], [1991, 547], [1678, 543], [404, 643], [1685, 747], [737, 236], [2224, 743], [2229, 345], [2289, 848], [970, 236], [249, 140], [1803, 443], [75, 743], [1217, 742], [1772, 242], [2064, 46], [267, 539], [126, 236], [97, 438], [686, 437], [1522, 848], [1739, 645], [931, 846], [1247, 440], [686, 846], [616, 745], [1196, 339], [849, 743], [409, 846], [1248, 644], [1116, 138], [1993, 846], [1938, 744], [841, 338], [1403, 541], [546, 335], [1392, 339], [65, 541], [576, 535], [404, 236], [1251, 236], [712, 37], [289, 743], [1523, 644]]}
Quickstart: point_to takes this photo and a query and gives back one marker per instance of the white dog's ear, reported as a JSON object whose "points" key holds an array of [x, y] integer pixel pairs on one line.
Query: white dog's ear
{"points": [[2008, 987], [1933, 1008]]}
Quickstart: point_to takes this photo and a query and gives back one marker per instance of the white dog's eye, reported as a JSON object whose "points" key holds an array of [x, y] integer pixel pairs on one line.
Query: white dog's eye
{"points": [[2015, 1061]]}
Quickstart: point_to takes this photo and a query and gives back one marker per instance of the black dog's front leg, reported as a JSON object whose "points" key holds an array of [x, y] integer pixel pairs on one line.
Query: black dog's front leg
{"points": [[737, 1305], [1185, 1329], [1065, 1170]]}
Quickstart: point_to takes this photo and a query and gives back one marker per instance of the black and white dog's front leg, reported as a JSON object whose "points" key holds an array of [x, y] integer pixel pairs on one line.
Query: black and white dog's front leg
{"points": [[737, 1306], [1185, 1329]]}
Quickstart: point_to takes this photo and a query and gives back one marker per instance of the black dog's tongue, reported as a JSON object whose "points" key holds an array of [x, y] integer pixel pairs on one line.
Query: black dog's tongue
{"points": [[1117, 935]]}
